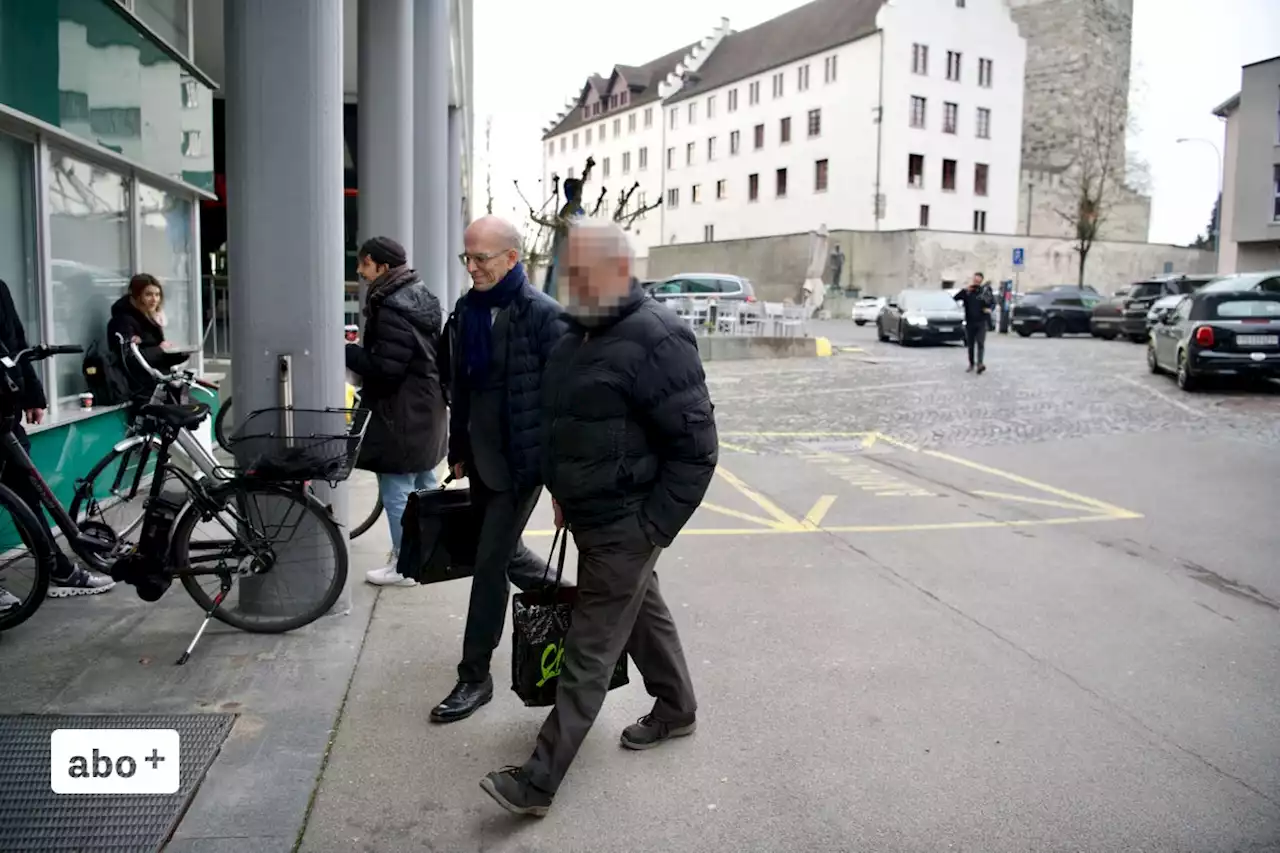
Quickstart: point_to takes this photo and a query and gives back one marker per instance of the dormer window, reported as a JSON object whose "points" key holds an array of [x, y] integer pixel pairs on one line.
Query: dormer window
{"points": [[622, 99]]}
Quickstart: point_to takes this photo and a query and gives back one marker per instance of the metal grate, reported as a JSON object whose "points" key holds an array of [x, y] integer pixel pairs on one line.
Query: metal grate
{"points": [[33, 818]]}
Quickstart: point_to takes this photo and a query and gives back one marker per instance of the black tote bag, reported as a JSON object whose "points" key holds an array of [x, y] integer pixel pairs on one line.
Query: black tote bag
{"points": [[540, 622], [441, 531]]}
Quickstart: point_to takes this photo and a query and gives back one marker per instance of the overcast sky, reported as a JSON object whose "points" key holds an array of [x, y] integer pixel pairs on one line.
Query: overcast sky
{"points": [[1186, 61]]}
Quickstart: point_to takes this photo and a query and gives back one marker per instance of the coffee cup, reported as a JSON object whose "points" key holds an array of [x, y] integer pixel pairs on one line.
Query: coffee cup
{"points": [[86, 400]]}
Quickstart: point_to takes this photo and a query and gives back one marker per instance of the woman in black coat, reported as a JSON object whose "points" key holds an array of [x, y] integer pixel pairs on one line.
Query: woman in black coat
{"points": [[400, 385], [138, 317]]}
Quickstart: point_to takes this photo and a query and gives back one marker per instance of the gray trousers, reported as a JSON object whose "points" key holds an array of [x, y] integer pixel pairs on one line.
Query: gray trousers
{"points": [[500, 555], [619, 610]]}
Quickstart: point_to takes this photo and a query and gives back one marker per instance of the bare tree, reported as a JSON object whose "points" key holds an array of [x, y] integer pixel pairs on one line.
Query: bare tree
{"points": [[488, 167]]}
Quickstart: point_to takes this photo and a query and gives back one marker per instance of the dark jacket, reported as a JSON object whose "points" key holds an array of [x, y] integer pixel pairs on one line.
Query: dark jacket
{"points": [[977, 304], [535, 328], [127, 321], [13, 339], [628, 425], [400, 380]]}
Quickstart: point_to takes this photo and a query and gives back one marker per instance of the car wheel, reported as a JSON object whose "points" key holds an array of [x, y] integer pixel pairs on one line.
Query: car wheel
{"points": [[1024, 333], [1186, 381], [1152, 362], [880, 333], [859, 322], [902, 333], [1107, 336], [1055, 327]]}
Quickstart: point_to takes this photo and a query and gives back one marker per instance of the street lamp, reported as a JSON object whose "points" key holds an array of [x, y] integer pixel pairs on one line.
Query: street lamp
{"points": [[1217, 219]]}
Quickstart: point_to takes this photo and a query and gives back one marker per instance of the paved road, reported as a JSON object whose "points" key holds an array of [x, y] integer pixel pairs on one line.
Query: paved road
{"points": [[1032, 610]]}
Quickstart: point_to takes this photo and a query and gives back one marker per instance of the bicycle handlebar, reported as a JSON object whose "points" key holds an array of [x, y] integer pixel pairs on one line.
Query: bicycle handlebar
{"points": [[142, 362], [39, 352]]}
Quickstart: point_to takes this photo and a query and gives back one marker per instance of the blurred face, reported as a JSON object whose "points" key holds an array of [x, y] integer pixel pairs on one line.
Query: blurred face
{"points": [[597, 283], [975, 282], [149, 300], [368, 270], [486, 259]]}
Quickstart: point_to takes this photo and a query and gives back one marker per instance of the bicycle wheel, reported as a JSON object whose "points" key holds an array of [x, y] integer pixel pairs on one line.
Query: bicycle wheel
{"points": [[369, 518], [27, 552], [115, 491], [223, 425], [291, 538]]}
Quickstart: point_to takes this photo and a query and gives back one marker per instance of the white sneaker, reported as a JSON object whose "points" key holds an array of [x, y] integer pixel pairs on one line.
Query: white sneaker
{"points": [[387, 575]]}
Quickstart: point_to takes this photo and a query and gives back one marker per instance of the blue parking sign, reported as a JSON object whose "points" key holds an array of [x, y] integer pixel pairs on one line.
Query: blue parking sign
{"points": [[1017, 258]]}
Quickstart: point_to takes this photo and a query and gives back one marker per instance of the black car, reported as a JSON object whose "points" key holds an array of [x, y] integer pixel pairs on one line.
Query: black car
{"points": [[1056, 311], [1219, 333], [1126, 312], [921, 316]]}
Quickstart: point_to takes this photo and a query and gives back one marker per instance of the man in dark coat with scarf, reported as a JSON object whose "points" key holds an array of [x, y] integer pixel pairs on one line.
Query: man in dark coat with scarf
{"points": [[500, 335], [400, 386]]}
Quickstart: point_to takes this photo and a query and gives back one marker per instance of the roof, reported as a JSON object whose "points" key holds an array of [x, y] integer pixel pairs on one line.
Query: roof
{"points": [[1228, 106], [812, 28], [1262, 62], [643, 77]]}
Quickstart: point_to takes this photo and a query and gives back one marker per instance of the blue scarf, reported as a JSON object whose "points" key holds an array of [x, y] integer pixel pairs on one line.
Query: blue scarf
{"points": [[477, 322]]}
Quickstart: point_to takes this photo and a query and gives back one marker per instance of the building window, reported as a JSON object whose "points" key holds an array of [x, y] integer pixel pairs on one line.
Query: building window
{"points": [[613, 101], [733, 100], [551, 149], [644, 158], [575, 141], [602, 132], [688, 154], [709, 233], [915, 170], [18, 265], [595, 108], [953, 65], [815, 123], [626, 162], [588, 132], [693, 112], [648, 117], [920, 59], [784, 130], [980, 221], [984, 123], [959, 4], [631, 123], [984, 73], [979, 178], [753, 187], [586, 113], [1275, 211], [753, 93], [604, 167], [735, 139], [759, 130], [780, 181], [671, 122], [829, 69], [917, 111], [711, 148], [949, 175], [711, 106], [673, 197], [802, 78], [777, 85], [696, 194], [820, 176], [190, 93], [671, 158], [562, 142], [924, 216], [722, 189], [950, 115], [641, 202], [617, 127], [623, 98]]}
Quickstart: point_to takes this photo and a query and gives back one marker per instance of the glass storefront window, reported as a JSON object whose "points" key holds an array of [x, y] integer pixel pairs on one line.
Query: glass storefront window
{"points": [[166, 254], [18, 264], [89, 243]]}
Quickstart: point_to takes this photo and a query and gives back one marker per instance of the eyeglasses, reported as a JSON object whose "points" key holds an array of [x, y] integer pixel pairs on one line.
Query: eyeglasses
{"points": [[468, 259]]}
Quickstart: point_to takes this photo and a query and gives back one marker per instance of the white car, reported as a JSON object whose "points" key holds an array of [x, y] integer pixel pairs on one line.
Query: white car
{"points": [[867, 309]]}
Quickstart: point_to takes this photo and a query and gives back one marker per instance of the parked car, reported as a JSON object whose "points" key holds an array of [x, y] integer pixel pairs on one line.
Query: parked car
{"points": [[1106, 321], [1267, 281], [1127, 315], [921, 316], [703, 286], [867, 309], [1158, 309], [1056, 311], [1219, 333]]}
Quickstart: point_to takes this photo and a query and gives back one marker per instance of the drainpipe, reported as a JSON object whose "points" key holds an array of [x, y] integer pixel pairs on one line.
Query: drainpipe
{"points": [[879, 131]]}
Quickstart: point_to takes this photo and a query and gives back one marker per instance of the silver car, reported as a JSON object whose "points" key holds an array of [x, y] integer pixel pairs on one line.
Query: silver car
{"points": [[703, 286]]}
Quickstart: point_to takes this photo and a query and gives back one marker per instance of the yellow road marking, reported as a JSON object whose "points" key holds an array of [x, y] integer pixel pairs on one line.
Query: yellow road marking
{"points": [[1033, 484], [759, 500], [743, 516], [813, 518], [868, 440], [1004, 496], [738, 447], [888, 528]]}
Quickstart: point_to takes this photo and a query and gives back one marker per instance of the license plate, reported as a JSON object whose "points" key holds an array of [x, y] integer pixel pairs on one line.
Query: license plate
{"points": [[1258, 340], [946, 328]]}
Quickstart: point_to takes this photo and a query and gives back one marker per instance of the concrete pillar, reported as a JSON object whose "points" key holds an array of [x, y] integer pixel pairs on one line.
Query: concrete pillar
{"points": [[285, 227], [385, 109], [431, 75], [457, 272]]}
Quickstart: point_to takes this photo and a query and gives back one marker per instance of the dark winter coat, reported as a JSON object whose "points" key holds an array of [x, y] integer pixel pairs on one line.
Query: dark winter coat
{"points": [[977, 304], [13, 340], [129, 322], [628, 424], [535, 326], [400, 380]]}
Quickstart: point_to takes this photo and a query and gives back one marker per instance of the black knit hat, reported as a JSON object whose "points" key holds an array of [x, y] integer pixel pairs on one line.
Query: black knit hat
{"points": [[383, 250]]}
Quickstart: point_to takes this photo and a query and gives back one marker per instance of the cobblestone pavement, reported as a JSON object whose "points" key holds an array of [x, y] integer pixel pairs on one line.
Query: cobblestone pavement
{"points": [[1035, 389]]}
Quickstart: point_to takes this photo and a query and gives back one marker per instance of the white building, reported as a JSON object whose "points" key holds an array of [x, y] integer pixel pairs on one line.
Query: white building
{"points": [[773, 130]]}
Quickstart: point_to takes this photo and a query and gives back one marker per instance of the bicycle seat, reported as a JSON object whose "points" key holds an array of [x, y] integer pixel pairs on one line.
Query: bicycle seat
{"points": [[177, 415]]}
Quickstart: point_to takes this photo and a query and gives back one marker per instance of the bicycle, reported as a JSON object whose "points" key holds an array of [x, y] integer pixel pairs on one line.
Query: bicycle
{"points": [[280, 461]]}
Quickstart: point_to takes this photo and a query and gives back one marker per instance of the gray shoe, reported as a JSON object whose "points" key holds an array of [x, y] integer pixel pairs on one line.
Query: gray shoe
{"points": [[8, 601], [79, 581], [649, 731]]}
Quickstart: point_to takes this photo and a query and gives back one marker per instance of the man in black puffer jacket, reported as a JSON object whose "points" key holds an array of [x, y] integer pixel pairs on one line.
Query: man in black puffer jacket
{"points": [[499, 338], [400, 386], [629, 450]]}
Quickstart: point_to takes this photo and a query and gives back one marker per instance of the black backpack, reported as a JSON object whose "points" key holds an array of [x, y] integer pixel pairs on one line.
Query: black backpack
{"points": [[105, 376]]}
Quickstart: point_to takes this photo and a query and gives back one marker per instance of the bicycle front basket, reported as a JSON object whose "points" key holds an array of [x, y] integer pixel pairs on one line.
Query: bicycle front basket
{"points": [[291, 445]]}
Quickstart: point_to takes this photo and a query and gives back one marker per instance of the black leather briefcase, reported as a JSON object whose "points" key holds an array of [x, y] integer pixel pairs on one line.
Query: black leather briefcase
{"points": [[441, 530]]}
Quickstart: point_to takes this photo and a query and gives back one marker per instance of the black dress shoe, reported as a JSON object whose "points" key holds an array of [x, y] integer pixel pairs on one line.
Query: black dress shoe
{"points": [[467, 698]]}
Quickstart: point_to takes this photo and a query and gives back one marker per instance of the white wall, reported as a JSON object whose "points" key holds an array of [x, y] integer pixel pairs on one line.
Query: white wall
{"points": [[1228, 258], [983, 29]]}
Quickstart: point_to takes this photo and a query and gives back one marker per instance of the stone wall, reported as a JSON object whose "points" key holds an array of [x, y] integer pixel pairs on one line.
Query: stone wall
{"points": [[1044, 192], [886, 262]]}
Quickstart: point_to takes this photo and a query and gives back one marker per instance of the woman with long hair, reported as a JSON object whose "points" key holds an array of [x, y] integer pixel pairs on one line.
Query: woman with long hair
{"points": [[138, 316]]}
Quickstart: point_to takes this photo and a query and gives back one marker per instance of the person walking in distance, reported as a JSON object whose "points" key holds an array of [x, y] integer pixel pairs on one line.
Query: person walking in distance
{"points": [[629, 450], [500, 335], [978, 304], [400, 386]]}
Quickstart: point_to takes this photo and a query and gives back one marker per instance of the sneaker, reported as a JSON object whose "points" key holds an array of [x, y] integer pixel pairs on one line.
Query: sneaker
{"points": [[388, 575], [510, 788], [982, 368], [649, 731], [8, 601], [79, 581]]}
